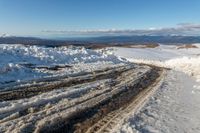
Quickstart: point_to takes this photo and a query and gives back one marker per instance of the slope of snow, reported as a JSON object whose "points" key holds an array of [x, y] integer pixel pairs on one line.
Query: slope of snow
{"points": [[15, 59], [161, 53]]}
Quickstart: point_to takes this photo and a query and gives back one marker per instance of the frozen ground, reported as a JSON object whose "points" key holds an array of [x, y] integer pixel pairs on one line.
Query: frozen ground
{"points": [[19, 62], [175, 106]]}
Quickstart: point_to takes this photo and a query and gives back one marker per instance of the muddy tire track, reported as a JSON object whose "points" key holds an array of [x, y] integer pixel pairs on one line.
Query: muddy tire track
{"points": [[90, 110], [56, 83], [113, 106]]}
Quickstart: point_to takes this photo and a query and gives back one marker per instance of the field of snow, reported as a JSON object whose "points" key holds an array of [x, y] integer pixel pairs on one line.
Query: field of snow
{"points": [[19, 62], [174, 108], [185, 60]]}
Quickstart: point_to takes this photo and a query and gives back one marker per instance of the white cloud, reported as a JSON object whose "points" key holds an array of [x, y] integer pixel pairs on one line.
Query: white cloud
{"points": [[180, 29]]}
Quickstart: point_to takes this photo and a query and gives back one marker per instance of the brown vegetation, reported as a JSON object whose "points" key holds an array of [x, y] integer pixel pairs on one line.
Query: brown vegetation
{"points": [[187, 46], [142, 46], [100, 46]]}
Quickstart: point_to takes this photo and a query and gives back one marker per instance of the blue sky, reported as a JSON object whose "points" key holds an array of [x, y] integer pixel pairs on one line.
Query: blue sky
{"points": [[62, 17]]}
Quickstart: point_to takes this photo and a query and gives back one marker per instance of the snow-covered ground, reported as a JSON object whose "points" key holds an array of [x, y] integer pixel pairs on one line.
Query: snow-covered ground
{"points": [[19, 62], [175, 107], [185, 60]]}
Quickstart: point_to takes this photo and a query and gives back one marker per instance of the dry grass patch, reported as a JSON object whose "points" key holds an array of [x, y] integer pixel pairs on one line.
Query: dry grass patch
{"points": [[186, 46]]}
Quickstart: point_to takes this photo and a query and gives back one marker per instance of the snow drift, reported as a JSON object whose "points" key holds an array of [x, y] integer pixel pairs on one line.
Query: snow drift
{"points": [[188, 65], [20, 62], [185, 60]]}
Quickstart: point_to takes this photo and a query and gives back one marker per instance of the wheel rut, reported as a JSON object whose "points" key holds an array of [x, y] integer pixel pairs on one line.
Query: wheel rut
{"points": [[120, 91]]}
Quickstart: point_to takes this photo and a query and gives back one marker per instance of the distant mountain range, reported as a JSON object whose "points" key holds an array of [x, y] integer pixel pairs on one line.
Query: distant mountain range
{"points": [[39, 41], [101, 40], [147, 39]]}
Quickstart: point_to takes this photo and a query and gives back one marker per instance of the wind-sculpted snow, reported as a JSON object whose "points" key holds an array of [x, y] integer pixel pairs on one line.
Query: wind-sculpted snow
{"points": [[19, 62]]}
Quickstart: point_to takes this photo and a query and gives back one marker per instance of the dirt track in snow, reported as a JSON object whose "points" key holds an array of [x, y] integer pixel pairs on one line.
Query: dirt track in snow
{"points": [[121, 91]]}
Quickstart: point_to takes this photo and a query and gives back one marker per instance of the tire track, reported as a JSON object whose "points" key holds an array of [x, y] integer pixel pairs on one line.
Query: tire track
{"points": [[103, 105], [116, 117], [24, 91]]}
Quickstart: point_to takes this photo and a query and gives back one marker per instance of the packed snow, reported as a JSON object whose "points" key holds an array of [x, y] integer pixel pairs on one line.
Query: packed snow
{"points": [[20, 62], [174, 108]]}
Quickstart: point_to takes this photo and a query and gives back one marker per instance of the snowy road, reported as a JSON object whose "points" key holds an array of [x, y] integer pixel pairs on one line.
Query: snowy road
{"points": [[175, 107], [76, 106]]}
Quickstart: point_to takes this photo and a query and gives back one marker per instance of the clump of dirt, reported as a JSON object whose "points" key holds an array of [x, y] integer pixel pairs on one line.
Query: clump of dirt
{"points": [[124, 45], [153, 45], [187, 46]]}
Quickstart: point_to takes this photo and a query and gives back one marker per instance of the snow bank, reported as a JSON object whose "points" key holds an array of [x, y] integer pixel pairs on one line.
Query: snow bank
{"points": [[48, 56], [15, 61], [188, 65], [197, 44], [185, 60]]}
